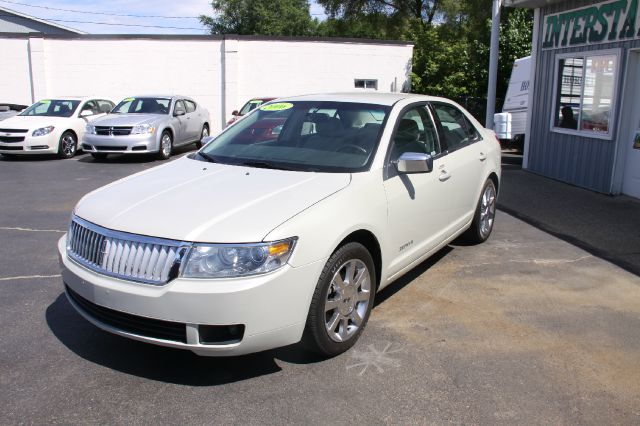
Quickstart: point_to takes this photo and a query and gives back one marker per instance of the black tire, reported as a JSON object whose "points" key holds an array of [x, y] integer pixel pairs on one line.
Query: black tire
{"points": [[99, 155], [482, 225], [203, 134], [67, 145], [165, 154], [316, 335]]}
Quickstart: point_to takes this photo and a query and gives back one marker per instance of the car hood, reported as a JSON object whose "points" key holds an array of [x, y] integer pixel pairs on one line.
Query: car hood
{"points": [[129, 119], [32, 122], [190, 200]]}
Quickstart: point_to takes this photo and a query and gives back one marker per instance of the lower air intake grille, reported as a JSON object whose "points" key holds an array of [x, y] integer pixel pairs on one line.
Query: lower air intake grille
{"points": [[141, 326]]}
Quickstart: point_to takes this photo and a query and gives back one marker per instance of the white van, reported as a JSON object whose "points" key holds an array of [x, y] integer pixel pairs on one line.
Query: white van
{"points": [[511, 122]]}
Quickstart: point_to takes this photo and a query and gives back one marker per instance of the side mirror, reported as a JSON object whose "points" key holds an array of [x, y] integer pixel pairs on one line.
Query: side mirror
{"points": [[414, 162], [86, 113], [235, 113], [179, 112]]}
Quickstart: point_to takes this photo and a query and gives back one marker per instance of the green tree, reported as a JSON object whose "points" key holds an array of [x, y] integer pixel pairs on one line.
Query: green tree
{"points": [[260, 17], [425, 10]]}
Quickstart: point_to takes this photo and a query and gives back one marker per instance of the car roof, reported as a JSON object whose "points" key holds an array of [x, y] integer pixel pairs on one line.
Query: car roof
{"points": [[74, 98], [158, 96], [379, 98]]}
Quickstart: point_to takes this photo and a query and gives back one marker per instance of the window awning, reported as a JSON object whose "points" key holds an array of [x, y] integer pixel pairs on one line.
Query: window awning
{"points": [[531, 4]]}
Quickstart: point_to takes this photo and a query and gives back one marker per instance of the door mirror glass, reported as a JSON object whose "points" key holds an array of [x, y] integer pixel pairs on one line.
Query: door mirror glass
{"points": [[414, 162]]}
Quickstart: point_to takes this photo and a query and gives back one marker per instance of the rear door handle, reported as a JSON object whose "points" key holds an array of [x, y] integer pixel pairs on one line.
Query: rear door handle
{"points": [[483, 156]]}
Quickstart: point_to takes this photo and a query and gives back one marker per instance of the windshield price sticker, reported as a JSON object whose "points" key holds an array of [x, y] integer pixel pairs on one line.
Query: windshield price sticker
{"points": [[45, 101], [280, 106]]}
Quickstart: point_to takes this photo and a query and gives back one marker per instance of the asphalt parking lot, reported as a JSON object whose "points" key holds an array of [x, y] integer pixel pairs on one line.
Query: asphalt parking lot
{"points": [[525, 329]]}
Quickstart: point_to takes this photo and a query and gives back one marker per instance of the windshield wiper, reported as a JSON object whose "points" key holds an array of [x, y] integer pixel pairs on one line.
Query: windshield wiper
{"points": [[264, 165], [207, 157]]}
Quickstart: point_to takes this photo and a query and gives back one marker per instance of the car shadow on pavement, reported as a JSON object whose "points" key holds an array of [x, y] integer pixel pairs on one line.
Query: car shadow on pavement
{"points": [[159, 363], [32, 158], [407, 278], [137, 158], [149, 361]]}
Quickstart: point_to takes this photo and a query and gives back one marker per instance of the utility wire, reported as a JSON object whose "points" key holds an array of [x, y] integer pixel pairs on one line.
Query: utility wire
{"points": [[111, 14], [98, 13], [108, 23]]}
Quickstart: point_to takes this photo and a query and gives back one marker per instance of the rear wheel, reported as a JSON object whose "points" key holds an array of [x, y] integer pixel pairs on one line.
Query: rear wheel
{"points": [[483, 219], [203, 134], [342, 301], [166, 146], [68, 145]]}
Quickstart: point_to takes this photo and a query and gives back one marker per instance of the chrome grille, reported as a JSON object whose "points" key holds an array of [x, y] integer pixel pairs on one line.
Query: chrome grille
{"points": [[113, 130], [123, 255]]}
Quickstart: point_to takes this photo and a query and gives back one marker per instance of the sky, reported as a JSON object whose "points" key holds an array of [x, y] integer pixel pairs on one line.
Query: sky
{"points": [[184, 14]]}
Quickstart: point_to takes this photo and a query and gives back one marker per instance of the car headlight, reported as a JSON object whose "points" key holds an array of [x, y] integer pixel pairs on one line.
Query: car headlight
{"points": [[91, 129], [142, 129], [43, 131], [237, 260]]}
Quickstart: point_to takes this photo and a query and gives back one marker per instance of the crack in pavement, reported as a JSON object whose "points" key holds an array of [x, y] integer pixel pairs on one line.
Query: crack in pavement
{"points": [[8, 228], [27, 277]]}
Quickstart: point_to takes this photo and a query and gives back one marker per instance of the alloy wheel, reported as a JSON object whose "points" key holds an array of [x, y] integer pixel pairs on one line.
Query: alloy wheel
{"points": [[347, 300], [166, 145], [487, 210], [68, 145]]}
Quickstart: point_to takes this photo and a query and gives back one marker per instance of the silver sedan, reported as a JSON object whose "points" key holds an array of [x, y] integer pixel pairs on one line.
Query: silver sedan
{"points": [[147, 124]]}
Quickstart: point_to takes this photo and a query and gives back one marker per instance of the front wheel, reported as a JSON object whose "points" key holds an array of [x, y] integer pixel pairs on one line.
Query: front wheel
{"points": [[68, 145], [166, 146], [484, 216], [203, 134], [342, 301]]}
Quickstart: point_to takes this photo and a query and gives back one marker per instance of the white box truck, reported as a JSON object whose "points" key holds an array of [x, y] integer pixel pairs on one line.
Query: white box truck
{"points": [[510, 124]]}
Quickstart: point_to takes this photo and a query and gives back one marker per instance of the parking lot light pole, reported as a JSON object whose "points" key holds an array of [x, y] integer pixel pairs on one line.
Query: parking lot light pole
{"points": [[493, 63]]}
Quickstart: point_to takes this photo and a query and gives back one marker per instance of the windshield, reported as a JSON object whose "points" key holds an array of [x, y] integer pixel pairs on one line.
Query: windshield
{"points": [[52, 108], [143, 106], [250, 106], [306, 136]]}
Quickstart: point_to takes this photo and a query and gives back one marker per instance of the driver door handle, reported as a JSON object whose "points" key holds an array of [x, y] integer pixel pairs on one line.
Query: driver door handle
{"points": [[444, 175], [483, 156]]}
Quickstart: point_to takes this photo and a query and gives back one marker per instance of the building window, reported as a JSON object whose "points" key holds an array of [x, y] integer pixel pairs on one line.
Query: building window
{"points": [[585, 89], [366, 84]]}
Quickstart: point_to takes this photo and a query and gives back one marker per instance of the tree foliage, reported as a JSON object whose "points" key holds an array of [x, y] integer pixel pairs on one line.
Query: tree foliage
{"points": [[260, 17]]}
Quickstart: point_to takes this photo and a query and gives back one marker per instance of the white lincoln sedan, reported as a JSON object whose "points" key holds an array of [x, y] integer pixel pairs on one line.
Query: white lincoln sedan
{"points": [[283, 227]]}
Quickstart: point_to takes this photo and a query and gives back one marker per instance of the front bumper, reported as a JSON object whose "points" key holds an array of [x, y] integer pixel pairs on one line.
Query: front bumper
{"points": [[47, 144], [272, 308], [125, 144]]}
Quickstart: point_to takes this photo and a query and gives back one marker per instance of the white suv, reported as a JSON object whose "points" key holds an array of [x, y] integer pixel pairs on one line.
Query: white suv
{"points": [[282, 238]]}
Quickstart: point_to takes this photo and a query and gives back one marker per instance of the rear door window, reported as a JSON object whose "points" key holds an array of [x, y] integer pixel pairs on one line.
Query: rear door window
{"points": [[456, 128], [190, 106]]}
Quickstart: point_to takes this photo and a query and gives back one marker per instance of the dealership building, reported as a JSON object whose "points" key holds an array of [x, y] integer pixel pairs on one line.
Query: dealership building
{"points": [[584, 102], [44, 60]]}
